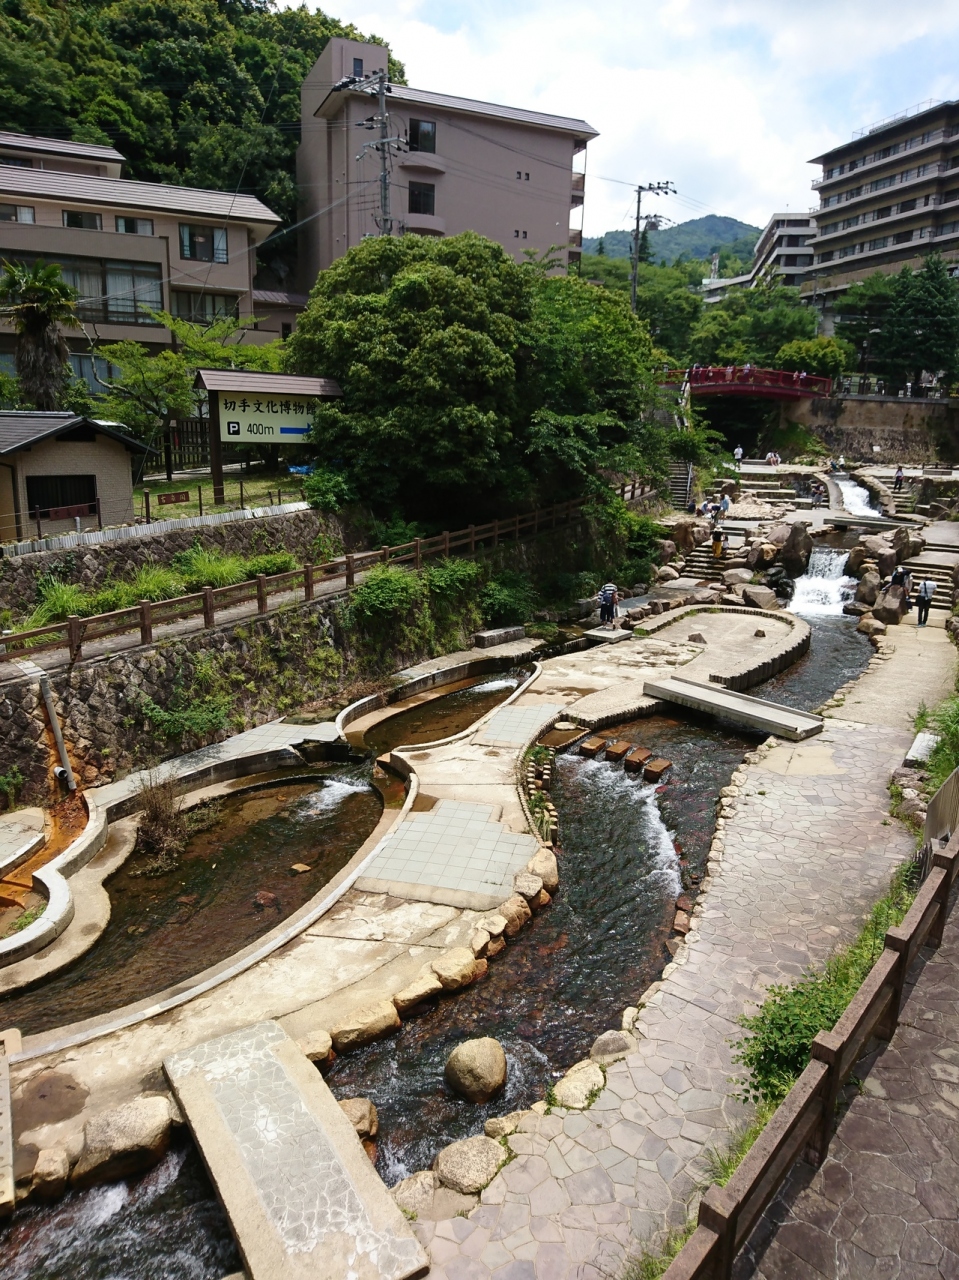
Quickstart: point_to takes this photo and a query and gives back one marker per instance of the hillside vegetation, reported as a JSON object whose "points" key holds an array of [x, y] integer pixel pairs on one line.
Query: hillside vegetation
{"points": [[698, 238]]}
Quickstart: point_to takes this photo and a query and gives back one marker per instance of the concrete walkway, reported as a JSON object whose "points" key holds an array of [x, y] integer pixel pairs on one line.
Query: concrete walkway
{"points": [[885, 1202], [921, 669]]}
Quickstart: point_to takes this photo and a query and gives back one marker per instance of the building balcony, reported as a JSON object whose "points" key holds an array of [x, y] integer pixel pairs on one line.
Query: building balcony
{"points": [[578, 190], [425, 224], [575, 239], [425, 161]]}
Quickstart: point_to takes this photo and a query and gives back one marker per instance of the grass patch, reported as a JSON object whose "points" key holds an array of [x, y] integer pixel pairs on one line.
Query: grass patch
{"points": [[25, 919], [163, 830], [721, 1163], [779, 1037], [655, 1259]]}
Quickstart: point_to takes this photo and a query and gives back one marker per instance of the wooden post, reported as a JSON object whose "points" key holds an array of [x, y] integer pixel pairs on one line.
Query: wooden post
{"points": [[216, 449], [199, 496], [446, 542], [36, 516], [208, 606], [622, 491], [99, 515], [385, 555], [146, 622], [495, 533], [827, 1048], [242, 503], [718, 1212], [146, 504], [417, 552], [261, 602], [472, 538], [73, 636], [279, 496], [307, 582], [350, 572], [948, 864]]}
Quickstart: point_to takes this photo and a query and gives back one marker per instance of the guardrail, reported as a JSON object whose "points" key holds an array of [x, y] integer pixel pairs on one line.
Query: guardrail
{"points": [[802, 1125], [726, 377], [76, 631]]}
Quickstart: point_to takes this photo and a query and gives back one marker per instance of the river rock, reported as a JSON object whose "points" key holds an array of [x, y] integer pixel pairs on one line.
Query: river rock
{"points": [[696, 637], [666, 574], [493, 924], [907, 543], [576, 1086], [856, 610], [362, 1116], [517, 912], [423, 987], [868, 589], [496, 945], [854, 561], [470, 1165], [612, 1045], [890, 605], [688, 534], [51, 1173], [366, 1025], [667, 549], [123, 1141], [760, 597], [778, 535], [414, 1194], [732, 576], [317, 1045], [455, 968], [476, 1069], [503, 1126], [528, 885], [543, 864], [796, 550], [479, 941], [871, 626]]}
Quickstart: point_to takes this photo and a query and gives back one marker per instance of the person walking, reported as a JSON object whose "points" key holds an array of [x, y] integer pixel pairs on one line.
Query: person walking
{"points": [[608, 598], [738, 455], [897, 487], [717, 543], [927, 589]]}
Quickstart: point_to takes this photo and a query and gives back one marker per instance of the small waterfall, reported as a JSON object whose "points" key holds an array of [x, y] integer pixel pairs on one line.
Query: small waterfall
{"points": [[823, 588], [856, 500]]}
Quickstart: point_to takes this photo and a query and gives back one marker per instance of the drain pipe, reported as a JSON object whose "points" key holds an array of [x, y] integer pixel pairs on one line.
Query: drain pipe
{"points": [[65, 772]]}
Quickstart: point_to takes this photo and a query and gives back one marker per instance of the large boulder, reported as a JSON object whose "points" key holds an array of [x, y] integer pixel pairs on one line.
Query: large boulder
{"points": [[51, 1173], [666, 574], [778, 535], [667, 549], [689, 533], [760, 597], [762, 556], [907, 543], [415, 1193], [581, 1083], [855, 560], [366, 1025], [869, 587], [455, 968], [880, 550], [123, 1141], [423, 987], [890, 606], [871, 626], [362, 1116], [732, 576], [796, 550], [543, 864], [476, 1069], [516, 911], [470, 1165]]}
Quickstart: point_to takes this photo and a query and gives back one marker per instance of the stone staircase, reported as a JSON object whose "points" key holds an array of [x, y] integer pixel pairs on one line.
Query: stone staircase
{"points": [[940, 574], [702, 565], [680, 484]]}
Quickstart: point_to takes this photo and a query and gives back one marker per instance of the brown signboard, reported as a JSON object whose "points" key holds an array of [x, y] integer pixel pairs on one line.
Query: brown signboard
{"points": [[164, 499], [69, 513]]}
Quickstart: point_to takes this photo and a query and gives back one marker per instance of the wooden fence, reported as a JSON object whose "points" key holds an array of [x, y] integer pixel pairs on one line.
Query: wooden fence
{"points": [[76, 631], [802, 1125]]}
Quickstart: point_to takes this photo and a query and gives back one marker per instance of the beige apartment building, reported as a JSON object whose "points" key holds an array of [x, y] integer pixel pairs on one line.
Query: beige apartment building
{"points": [[781, 250], [460, 165], [127, 246], [888, 197]]}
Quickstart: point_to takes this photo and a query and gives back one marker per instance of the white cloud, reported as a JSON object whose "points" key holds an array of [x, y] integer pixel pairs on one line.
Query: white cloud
{"points": [[727, 98]]}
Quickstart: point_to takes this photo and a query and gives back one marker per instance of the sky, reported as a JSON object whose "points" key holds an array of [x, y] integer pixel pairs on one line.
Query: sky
{"points": [[727, 99]]}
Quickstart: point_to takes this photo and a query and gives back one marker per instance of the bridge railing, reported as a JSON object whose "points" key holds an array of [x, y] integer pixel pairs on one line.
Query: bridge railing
{"points": [[718, 378]]}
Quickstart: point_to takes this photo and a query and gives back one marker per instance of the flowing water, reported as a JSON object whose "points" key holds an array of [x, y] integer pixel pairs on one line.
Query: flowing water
{"points": [[856, 499]]}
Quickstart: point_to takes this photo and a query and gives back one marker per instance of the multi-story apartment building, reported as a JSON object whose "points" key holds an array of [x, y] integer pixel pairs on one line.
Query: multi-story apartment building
{"points": [[128, 246], [781, 250], [462, 165], [888, 197]]}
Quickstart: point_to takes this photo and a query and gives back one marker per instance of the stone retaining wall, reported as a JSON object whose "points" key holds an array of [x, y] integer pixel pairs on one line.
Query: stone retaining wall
{"points": [[91, 567], [907, 431], [794, 645]]}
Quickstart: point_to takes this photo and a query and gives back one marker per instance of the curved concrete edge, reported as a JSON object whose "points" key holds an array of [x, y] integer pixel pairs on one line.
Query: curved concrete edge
{"points": [[22, 852], [428, 680]]}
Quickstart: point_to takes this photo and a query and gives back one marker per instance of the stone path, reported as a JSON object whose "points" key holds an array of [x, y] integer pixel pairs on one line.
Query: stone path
{"points": [[886, 1201], [299, 1189], [922, 669], [798, 866], [21, 833]]}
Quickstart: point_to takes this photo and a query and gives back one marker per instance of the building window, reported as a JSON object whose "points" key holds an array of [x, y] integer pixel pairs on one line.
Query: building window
{"points": [[524, 235], [884, 212], [951, 195], [948, 229], [115, 292], [850, 222], [135, 226], [902, 237], [423, 136], [17, 162], [853, 193], [93, 370], [906, 205], [203, 308], [516, 235], [47, 493], [204, 244], [877, 184], [80, 221], [285, 330], [880, 243], [358, 67], [825, 257], [422, 197], [17, 213]]}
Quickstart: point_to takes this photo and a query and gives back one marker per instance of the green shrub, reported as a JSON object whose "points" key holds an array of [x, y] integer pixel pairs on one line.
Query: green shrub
{"points": [[778, 1045], [508, 599], [10, 784], [327, 490], [206, 567], [58, 601], [151, 582], [945, 755], [454, 599], [270, 563], [389, 610], [199, 717]]}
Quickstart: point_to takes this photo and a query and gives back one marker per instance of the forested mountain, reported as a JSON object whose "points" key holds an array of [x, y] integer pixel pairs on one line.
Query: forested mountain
{"points": [[697, 238], [196, 92]]}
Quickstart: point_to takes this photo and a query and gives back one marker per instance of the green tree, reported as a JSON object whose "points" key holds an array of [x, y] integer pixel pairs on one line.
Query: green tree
{"points": [[601, 248], [39, 304], [643, 251], [827, 357], [469, 380], [920, 332], [663, 298], [751, 325], [861, 313]]}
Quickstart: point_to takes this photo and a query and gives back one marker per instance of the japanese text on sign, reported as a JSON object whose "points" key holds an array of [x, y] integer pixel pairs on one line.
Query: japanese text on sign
{"points": [[255, 418]]}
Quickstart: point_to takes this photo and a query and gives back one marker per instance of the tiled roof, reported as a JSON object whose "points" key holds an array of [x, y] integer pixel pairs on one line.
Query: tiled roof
{"points": [[425, 98], [289, 384], [127, 194], [280, 298], [21, 428], [58, 146]]}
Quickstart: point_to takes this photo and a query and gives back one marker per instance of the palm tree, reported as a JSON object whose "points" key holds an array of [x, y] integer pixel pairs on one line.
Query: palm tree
{"points": [[38, 302]]}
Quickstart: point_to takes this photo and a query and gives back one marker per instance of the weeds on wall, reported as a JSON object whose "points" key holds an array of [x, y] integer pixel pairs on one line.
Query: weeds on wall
{"points": [[163, 830], [10, 784]]}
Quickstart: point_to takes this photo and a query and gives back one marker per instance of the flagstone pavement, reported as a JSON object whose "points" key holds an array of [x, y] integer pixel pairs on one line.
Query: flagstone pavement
{"points": [[794, 871]]}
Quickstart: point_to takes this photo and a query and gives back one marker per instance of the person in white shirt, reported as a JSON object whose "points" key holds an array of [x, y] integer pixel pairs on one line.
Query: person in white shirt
{"points": [[738, 455], [927, 589]]}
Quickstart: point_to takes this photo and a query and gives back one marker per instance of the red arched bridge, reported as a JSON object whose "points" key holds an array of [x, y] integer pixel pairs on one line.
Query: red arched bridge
{"points": [[747, 380]]}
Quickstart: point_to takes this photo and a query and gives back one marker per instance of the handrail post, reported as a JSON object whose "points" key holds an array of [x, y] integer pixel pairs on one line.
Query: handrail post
{"points": [[949, 864], [896, 941], [146, 622], [74, 634], [350, 571], [718, 1213], [385, 555], [199, 495], [146, 504], [446, 542], [242, 503], [261, 602], [472, 538], [36, 516], [622, 491], [209, 607], [418, 553], [826, 1047], [495, 533], [99, 515], [307, 582]]}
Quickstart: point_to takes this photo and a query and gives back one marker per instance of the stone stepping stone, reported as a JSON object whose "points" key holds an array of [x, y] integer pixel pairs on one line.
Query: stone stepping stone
{"points": [[617, 750], [592, 747], [655, 769], [636, 759]]}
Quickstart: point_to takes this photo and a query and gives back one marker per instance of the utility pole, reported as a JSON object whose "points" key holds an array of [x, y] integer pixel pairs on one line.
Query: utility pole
{"points": [[654, 188], [377, 84]]}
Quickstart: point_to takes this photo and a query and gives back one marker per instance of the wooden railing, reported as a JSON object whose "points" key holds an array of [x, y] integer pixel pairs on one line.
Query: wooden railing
{"points": [[802, 1125], [75, 631]]}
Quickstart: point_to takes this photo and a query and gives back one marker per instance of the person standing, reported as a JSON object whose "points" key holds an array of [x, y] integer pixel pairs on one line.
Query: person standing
{"points": [[717, 543], [608, 597], [927, 589], [738, 455], [897, 487], [724, 506]]}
